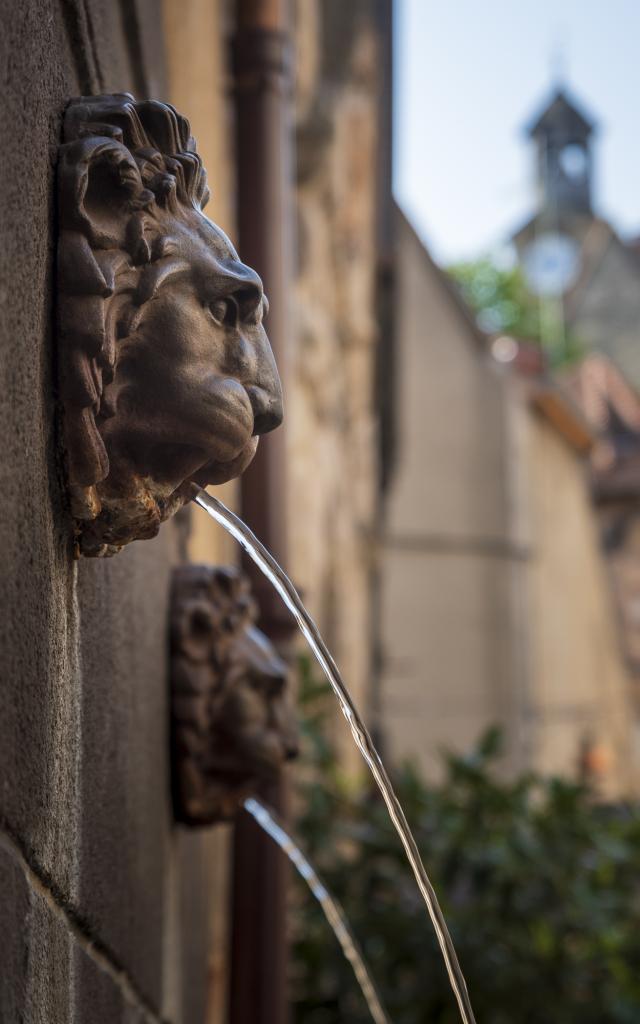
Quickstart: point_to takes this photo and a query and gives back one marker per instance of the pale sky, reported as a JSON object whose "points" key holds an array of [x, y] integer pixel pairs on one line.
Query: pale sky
{"points": [[469, 74]]}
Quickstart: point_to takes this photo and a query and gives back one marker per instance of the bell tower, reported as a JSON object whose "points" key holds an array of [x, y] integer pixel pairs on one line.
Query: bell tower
{"points": [[562, 137]]}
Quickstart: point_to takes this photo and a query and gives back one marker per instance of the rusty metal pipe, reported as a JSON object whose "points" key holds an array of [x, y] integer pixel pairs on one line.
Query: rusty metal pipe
{"points": [[265, 197]]}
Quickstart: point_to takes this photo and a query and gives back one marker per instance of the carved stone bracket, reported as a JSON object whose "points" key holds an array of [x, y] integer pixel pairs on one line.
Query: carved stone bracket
{"points": [[233, 726], [166, 375]]}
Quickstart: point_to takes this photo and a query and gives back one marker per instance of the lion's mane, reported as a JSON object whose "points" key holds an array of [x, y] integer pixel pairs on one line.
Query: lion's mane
{"points": [[124, 168]]}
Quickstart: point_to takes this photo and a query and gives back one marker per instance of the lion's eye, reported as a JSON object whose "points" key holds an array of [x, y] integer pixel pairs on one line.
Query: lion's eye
{"points": [[224, 311]]}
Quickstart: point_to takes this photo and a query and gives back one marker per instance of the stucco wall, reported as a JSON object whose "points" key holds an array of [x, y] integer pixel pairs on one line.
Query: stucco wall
{"points": [[103, 903], [449, 407], [447, 555]]}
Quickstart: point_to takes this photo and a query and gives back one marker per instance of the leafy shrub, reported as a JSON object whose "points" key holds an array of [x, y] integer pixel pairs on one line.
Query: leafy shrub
{"points": [[540, 886], [499, 298], [502, 303]]}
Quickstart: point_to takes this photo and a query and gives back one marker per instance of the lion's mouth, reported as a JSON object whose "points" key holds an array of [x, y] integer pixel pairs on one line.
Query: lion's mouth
{"points": [[265, 415], [220, 471]]}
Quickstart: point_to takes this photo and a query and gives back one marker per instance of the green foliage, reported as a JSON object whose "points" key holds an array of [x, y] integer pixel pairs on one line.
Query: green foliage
{"points": [[540, 887], [503, 304], [499, 298]]}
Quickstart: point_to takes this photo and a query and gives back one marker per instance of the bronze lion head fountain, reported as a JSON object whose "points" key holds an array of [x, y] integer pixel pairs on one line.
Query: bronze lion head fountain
{"points": [[166, 376], [233, 726]]}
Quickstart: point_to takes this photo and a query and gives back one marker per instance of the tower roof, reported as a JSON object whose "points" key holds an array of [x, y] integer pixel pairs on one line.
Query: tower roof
{"points": [[561, 116]]}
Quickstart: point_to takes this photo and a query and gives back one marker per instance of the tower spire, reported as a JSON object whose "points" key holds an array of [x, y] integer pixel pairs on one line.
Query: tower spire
{"points": [[562, 135], [558, 59]]}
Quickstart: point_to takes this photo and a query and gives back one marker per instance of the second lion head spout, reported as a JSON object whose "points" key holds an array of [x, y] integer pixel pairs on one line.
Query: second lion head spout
{"points": [[233, 722], [166, 373]]}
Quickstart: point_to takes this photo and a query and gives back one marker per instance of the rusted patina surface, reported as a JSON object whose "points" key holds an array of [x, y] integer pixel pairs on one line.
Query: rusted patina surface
{"points": [[233, 726], [166, 375]]}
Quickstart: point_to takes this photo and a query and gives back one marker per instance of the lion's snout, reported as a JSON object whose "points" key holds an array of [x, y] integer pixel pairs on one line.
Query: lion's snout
{"points": [[267, 408], [265, 391]]}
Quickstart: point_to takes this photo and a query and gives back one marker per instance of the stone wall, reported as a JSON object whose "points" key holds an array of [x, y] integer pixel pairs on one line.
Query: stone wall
{"points": [[103, 902], [330, 410], [448, 557]]}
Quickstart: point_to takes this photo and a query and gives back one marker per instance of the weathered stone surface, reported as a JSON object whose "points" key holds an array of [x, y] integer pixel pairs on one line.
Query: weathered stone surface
{"points": [[14, 900], [331, 413], [49, 954], [37, 627], [48, 975], [84, 753], [126, 826]]}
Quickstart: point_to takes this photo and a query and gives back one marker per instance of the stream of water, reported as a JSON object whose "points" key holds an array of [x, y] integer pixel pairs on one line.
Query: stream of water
{"points": [[331, 909], [284, 587]]}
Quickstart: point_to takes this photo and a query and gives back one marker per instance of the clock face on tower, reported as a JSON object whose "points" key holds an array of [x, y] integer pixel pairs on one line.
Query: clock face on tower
{"points": [[551, 263], [573, 162]]}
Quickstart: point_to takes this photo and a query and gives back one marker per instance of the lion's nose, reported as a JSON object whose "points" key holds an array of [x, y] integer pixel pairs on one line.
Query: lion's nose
{"points": [[267, 407], [266, 421], [265, 390]]}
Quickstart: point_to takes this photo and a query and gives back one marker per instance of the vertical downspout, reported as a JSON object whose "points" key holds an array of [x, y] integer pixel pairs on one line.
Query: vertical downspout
{"points": [[386, 357], [265, 197]]}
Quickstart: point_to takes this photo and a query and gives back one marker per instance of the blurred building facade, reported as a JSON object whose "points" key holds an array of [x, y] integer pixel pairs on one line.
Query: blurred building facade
{"points": [[612, 407], [495, 601], [591, 287]]}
